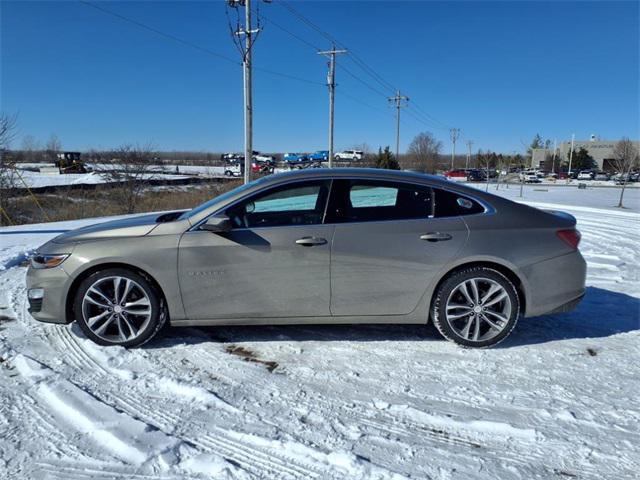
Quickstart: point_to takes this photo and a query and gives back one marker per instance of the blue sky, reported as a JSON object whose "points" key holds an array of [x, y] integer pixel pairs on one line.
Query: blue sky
{"points": [[500, 71]]}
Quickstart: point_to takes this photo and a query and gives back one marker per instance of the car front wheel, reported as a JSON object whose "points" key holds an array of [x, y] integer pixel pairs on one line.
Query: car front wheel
{"points": [[117, 306], [476, 307]]}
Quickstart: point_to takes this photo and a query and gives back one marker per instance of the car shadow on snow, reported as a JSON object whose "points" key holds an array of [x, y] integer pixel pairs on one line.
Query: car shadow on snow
{"points": [[602, 313]]}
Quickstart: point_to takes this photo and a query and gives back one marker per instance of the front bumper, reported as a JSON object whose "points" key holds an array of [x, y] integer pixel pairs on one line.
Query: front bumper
{"points": [[54, 282]]}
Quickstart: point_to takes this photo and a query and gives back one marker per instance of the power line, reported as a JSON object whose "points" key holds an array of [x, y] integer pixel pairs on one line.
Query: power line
{"points": [[365, 67], [187, 43], [363, 82], [294, 35], [341, 92], [354, 57], [416, 115], [158, 32]]}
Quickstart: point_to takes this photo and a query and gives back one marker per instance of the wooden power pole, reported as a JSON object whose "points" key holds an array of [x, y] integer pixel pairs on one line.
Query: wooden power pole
{"points": [[331, 83], [399, 101]]}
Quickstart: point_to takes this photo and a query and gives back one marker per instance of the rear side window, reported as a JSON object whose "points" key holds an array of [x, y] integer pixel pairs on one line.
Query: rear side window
{"points": [[370, 201], [450, 204]]}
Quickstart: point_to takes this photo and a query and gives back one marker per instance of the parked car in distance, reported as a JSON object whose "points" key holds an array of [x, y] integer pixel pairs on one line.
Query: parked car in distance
{"points": [[234, 169], [262, 166], [232, 157], [295, 157], [602, 176], [319, 156], [350, 155], [624, 178], [323, 246], [457, 174], [586, 175], [260, 157], [529, 176], [476, 175]]}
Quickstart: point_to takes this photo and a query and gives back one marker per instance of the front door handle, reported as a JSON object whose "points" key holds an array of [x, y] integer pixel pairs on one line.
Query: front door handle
{"points": [[311, 241], [435, 237]]}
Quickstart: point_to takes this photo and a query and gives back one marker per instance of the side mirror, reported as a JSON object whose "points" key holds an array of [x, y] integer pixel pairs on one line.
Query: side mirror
{"points": [[217, 224]]}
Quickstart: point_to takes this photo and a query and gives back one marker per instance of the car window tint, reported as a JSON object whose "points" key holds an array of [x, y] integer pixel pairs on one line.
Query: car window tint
{"points": [[302, 203], [450, 204], [372, 196], [294, 199], [380, 200]]}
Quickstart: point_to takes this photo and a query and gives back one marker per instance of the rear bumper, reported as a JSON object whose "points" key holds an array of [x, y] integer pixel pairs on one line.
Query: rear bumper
{"points": [[555, 285], [569, 306]]}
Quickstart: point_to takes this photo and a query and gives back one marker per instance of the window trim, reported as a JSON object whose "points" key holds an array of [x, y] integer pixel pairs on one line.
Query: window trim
{"points": [[488, 208], [392, 183], [197, 226]]}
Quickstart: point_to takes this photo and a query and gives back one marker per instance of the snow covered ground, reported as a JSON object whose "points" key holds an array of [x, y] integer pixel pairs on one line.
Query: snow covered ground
{"points": [[557, 400], [38, 180]]}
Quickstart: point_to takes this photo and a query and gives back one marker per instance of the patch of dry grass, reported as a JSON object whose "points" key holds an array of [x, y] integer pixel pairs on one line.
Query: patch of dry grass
{"points": [[106, 200]]}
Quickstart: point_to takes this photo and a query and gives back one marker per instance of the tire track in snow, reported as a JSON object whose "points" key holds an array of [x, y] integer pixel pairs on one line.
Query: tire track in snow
{"points": [[64, 470], [249, 456]]}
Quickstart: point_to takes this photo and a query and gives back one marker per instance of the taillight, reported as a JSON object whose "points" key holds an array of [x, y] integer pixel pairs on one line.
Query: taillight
{"points": [[570, 237]]}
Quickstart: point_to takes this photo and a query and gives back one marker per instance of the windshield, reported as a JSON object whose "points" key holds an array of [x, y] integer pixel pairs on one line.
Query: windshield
{"points": [[219, 199]]}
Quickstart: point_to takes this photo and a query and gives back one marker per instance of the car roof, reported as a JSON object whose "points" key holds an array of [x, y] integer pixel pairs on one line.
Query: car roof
{"points": [[372, 173]]}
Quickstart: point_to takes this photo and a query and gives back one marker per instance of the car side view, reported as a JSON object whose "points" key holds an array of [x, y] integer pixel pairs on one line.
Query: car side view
{"points": [[321, 246]]}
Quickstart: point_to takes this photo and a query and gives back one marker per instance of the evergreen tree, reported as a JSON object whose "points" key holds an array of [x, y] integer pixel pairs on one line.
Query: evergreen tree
{"points": [[581, 160], [386, 159]]}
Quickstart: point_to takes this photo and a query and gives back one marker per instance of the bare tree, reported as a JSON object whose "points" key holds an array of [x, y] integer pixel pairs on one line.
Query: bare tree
{"points": [[424, 151], [30, 148], [8, 131], [52, 148], [625, 159], [8, 127], [130, 167]]}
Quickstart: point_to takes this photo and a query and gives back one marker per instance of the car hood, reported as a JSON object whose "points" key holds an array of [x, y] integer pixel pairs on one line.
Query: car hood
{"points": [[125, 227]]}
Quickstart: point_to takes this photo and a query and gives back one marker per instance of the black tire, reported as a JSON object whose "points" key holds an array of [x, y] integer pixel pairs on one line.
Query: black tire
{"points": [[451, 282], [159, 312]]}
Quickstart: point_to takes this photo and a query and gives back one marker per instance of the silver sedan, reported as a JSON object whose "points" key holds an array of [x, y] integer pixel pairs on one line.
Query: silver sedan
{"points": [[316, 247]]}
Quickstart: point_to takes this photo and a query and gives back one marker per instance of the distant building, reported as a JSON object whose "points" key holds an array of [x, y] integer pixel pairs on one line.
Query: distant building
{"points": [[600, 150]]}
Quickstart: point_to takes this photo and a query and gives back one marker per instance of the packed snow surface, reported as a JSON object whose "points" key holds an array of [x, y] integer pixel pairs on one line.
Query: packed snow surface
{"points": [[557, 400]]}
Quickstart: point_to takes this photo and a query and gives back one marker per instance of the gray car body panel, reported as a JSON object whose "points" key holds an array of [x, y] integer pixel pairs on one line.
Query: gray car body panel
{"points": [[364, 274]]}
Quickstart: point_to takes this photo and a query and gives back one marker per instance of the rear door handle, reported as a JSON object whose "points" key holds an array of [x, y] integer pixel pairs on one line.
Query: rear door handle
{"points": [[435, 237], [311, 241]]}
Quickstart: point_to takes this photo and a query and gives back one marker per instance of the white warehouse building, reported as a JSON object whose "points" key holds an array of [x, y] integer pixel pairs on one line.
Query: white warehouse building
{"points": [[600, 150]]}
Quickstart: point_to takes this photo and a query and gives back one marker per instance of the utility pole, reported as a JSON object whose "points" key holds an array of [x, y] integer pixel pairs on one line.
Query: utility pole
{"points": [[469, 145], [573, 138], [455, 134], [245, 50], [331, 83], [399, 101]]}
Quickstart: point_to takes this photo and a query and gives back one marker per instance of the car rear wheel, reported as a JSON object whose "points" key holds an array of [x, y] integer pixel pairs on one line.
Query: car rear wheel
{"points": [[476, 307], [119, 307]]}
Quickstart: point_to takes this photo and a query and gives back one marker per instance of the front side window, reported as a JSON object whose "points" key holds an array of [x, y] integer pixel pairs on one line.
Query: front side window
{"points": [[374, 200], [302, 203]]}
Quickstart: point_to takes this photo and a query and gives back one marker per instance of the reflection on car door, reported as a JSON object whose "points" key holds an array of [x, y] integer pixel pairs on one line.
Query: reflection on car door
{"points": [[387, 246], [274, 263]]}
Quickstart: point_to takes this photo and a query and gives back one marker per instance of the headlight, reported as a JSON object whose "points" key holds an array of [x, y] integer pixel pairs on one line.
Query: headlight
{"points": [[48, 260]]}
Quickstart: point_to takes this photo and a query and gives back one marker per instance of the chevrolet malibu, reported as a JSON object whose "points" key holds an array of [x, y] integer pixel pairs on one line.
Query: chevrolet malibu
{"points": [[316, 247]]}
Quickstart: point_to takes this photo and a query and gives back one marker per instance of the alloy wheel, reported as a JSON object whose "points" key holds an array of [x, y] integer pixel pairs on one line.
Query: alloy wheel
{"points": [[478, 309], [116, 309]]}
